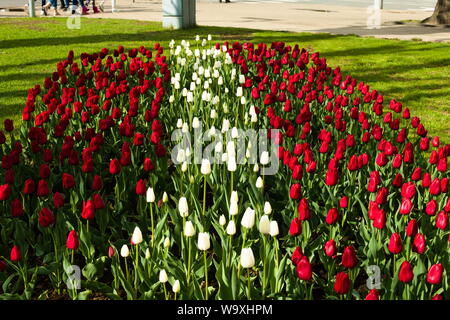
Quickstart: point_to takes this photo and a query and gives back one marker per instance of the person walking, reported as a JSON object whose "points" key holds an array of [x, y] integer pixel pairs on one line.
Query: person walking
{"points": [[84, 9], [48, 5]]}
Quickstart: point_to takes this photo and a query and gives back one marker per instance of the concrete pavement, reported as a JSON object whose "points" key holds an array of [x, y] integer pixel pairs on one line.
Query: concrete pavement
{"points": [[289, 16]]}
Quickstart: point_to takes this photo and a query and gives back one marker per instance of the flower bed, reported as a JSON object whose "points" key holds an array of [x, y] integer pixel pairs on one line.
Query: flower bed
{"points": [[231, 171]]}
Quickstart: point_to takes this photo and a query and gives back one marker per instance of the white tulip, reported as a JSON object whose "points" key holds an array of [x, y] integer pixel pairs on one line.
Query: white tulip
{"points": [[136, 238], [231, 164], [189, 230], [274, 228], [203, 241], [234, 133], [165, 197], [207, 73], [205, 168], [150, 196], [243, 100], [194, 76], [184, 166], [224, 157], [267, 208], [241, 79], [254, 118], [185, 128], [171, 99], [195, 123], [124, 251], [206, 85], [234, 209], [239, 92], [213, 113], [231, 149], [163, 276], [216, 73], [218, 148], [247, 258], [183, 207], [248, 220], [176, 286], [259, 183], [179, 123], [264, 225], [256, 168], [147, 253], [231, 228], [264, 158], [190, 97], [197, 38], [222, 220], [220, 81], [225, 125], [209, 37], [176, 85], [166, 242], [234, 197]]}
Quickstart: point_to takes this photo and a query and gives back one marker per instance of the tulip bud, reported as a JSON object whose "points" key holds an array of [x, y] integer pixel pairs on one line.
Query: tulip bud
{"points": [[405, 273], [72, 242], [147, 253], [166, 242], [222, 220], [434, 275], [176, 286], [248, 220], [234, 197], [330, 248], [195, 123], [274, 231], [304, 270], [231, 228], [183, 207], [203, 241], [259, 183], [205, 167], [372, 295], [256, 168], [233, 208], [124, 251], [349, 259], [296, 227], [231, 163], [15, 254], [342, 284], [150, 196], [395, 244], [264, 158], [267, 208], [163, 276], [136, 238], [165, 197], [247, 258], [189, 230], [264, 225]]}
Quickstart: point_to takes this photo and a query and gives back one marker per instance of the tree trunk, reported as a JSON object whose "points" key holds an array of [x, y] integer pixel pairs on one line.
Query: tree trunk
{"points": [[441, 14]]}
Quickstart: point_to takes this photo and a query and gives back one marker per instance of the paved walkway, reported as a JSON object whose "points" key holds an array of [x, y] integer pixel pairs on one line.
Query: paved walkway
{"points": [[284, 16]]}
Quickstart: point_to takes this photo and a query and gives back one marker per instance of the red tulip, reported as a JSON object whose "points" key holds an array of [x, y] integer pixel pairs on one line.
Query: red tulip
{"points": [[431, 207], [349, 259], [406, 273], [98, 202], [58, 200], [442, 220], [67, 181], [342, 283], [408, 190], [297, 255], [406, 206], [15, 254], [412, 228], [296, 191], [114, 167], [434, 275], [72, 242], [304, 270], [46, 218], [5, 192], [141, 187], [395, 244], [332, 216], [447, 206], [419, 244], [29, 187], [42, 189], [88, 211], [437, 297], [304, 210], [435, 187], [296, 227], [343, 203], [330, 248], [373, 295], [332, 177], [379, 221], [111, 252], [148, 165]]}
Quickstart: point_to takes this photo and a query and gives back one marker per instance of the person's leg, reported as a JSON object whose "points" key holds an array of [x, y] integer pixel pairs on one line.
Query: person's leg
{"points": [[43, 8]]}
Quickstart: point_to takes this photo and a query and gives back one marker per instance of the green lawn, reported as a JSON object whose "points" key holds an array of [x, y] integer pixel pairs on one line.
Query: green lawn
{"points": [[413, 72]]}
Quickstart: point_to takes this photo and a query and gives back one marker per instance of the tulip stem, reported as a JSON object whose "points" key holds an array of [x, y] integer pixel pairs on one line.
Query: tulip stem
{"points": [[248, 285], [188, 275], [206, 276], [126, 268], [165, 290], [152, 222], [204, 198], [136, 270]]}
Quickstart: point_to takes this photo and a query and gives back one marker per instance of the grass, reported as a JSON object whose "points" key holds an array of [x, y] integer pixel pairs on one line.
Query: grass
{"points": [[413, 72]]}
